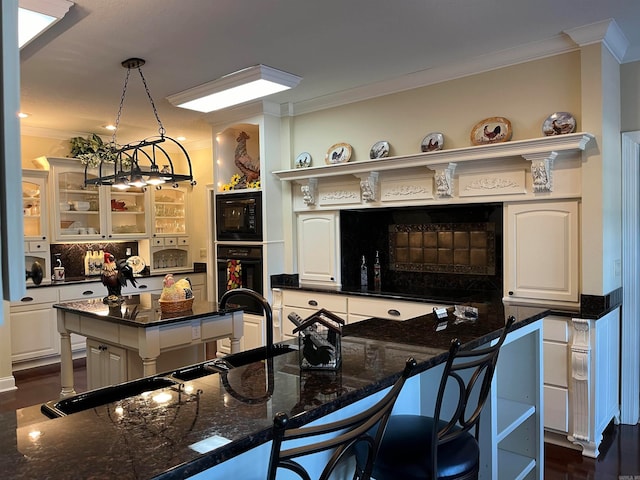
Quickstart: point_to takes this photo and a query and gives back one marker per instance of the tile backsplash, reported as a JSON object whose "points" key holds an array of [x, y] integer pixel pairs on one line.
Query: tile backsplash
{"points": [[72, 254], [424, 248]]}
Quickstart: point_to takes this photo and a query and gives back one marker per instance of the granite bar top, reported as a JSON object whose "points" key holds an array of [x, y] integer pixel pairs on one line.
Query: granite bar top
{"points": [[142, 310], [156, 435]]}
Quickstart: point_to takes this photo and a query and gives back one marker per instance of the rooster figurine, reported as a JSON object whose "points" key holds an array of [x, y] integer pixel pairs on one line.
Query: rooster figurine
{"points": [[250, 169], [115, 275], [174, 290]]}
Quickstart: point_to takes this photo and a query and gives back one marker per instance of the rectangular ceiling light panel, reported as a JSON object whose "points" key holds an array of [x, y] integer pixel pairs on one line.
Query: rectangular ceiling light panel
{"points": [[238, 87], [35, 16]]}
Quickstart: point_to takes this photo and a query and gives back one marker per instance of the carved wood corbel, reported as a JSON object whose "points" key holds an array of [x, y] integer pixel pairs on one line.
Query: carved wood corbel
{"points": [[309, 189], [444, 179], [541, 170], [369, 187]]}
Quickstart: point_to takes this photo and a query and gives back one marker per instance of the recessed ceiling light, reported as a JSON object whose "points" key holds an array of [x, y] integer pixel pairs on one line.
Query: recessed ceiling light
{"points": [[35, 16], [238, 87], [181, 138], [110, 127], [23, 115]]}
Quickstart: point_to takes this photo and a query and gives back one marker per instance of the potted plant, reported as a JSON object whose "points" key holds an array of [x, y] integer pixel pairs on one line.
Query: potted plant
{"points": [[91, 150]]}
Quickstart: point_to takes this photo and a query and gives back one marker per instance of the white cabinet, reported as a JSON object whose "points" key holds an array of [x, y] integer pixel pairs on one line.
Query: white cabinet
{"points": [[319, 248], [36, 224], [556, 378], [253, 334], [541, 252], [92, 213], [34, 334], [106, 364], [169, 212], [81, 291], [361, 308], [306, 303]]}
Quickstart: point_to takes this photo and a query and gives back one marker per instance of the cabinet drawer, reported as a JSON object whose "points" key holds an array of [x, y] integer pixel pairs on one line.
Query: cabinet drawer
{"points": [[183, 240], [556, 329], [37, 295], [38, 246], [390, 309], [157, 242], [170, 242], [556, 408], [144, 285], [334, 303], [555, 364], [82, 291]]}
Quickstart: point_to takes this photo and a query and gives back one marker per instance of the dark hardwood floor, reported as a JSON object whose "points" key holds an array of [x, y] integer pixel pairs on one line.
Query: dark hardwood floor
{"points": [[619, 458]]}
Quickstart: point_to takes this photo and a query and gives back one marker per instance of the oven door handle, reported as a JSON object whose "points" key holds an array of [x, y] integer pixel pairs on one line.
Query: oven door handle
{"points": [[250, 262]]}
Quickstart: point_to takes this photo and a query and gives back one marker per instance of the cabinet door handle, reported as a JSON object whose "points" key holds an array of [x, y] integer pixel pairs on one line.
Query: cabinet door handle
{"points": [[26, 299], [510, 292], [313, 303], [87, 292], [394, 312], [102, 348], [140, 287]]}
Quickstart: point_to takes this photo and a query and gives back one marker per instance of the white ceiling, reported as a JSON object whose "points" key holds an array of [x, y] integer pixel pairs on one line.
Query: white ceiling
{"points": [[72, 81]]}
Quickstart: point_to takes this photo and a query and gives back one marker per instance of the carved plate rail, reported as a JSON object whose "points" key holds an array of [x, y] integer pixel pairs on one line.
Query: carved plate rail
{"points": [[541, 152]]}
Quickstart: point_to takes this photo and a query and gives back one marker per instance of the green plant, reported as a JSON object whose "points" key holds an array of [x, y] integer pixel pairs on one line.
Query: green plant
{"points": [[91, 150]]}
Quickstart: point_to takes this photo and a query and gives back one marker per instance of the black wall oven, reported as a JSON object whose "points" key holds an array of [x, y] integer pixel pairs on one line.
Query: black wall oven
{"points": [[239, 216], [240, 266]]}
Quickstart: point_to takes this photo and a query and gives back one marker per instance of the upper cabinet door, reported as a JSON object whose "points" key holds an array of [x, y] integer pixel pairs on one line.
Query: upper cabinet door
{"points": [[169, 213], [34, 204], [126, 212], [542, 251], [319, 248]]}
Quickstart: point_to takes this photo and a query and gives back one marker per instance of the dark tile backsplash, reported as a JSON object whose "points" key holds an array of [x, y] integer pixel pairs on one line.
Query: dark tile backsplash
{"points": [[72, 254], [437, 237]]}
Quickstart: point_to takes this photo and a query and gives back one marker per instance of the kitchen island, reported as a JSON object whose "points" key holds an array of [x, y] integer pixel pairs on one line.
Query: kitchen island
{"points": [[218, 425], [138, 326]]}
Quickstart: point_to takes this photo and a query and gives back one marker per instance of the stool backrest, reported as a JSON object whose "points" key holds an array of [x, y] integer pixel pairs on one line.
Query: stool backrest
{"points": [[353, 430], [472, 373]]}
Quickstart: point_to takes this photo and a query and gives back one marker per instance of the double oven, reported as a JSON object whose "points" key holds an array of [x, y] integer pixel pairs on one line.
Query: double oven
{"points": [[239, 254]]}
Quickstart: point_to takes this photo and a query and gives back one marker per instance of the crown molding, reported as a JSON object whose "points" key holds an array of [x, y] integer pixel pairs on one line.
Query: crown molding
{"points": [[556, 45], [606, 32]]}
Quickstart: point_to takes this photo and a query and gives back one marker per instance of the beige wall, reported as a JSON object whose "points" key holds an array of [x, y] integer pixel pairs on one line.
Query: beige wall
{"points": [[525, 94]]}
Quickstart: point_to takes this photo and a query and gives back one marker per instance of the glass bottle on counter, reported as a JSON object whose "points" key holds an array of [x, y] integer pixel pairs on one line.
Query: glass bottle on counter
{"points": [[364, 277], [377, 281]]}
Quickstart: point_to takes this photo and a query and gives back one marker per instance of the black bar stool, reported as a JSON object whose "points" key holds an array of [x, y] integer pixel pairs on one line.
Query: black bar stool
{"points": [[442, 447], [364, 429]]}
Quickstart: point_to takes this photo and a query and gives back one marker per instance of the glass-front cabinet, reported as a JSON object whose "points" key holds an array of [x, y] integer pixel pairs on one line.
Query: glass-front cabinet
{"points": [[34, 207], [93, 213], [169, 212], [36, 225]]}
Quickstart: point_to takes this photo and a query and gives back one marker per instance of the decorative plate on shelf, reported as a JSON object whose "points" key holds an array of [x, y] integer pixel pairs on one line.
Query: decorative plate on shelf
{"points": [[136, 263], [303, 160], [559, 123], [432, 142], [491, 130], [338, 153], [379, 150]]}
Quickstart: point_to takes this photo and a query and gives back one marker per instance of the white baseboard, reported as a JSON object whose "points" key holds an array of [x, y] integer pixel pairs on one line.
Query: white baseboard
{"points": [[7, 384]]}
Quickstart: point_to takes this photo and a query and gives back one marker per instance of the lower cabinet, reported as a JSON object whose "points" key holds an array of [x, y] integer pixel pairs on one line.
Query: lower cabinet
{"points": [[254, 334], [106, 364], [34, 333], [556, 377]]}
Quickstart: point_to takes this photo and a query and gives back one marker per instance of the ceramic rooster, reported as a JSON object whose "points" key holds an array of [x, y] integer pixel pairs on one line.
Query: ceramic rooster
{"points": [[115, 275], [174, 290], [250, 169]]}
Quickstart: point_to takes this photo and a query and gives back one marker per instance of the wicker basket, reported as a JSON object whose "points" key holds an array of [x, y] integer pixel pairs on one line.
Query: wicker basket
{"points": [[173, 306]]}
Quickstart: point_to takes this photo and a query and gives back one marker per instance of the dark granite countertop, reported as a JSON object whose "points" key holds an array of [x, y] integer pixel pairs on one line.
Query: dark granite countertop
{"points": [[146, 307], [145, 436]]}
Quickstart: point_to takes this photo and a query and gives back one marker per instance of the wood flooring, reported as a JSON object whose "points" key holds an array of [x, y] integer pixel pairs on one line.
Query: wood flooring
{"points": [[619, 452]]}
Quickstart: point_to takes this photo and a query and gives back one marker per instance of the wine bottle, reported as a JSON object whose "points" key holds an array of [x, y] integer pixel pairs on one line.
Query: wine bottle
{"points": [[364, 274], [377, 281]]}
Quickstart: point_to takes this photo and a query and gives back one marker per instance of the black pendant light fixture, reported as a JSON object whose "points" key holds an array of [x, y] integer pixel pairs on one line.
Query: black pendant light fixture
{"points": [[142, 163]]}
